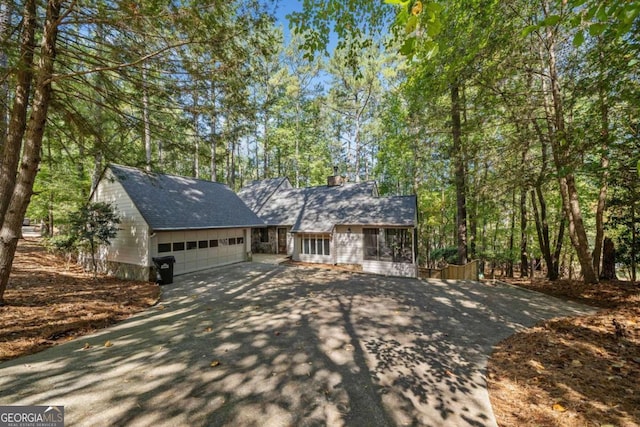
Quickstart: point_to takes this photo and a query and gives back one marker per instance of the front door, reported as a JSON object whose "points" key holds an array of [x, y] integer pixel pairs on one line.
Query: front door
{"points": [[282, 241]]}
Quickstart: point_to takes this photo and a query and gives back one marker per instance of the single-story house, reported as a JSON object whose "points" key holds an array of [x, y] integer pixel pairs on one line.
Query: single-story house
{"points": [[340, 223], [201, 223]]}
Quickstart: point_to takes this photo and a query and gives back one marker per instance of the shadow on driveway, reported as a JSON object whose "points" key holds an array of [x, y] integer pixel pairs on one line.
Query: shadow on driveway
{"points": [[266, 345]]}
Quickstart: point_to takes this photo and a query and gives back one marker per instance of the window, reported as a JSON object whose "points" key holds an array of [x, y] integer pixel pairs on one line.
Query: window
{"points": [[264, 235], [370, 243], [316, 244], [213, 243], [178, 246], [164, 247], [223, 242], [232, 241], [240, 240], [203, 244], [192, 245], [400, 242], [388, 244]]}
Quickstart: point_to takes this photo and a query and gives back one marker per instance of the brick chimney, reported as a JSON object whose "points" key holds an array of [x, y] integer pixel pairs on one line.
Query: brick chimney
{"points": [[335, 179]]}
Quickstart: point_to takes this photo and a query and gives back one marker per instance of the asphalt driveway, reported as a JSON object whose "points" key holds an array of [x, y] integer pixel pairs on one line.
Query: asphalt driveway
{"points": [[269, 345]]}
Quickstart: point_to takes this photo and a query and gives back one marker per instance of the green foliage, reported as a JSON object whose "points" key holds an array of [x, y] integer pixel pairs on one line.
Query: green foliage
{"points": [[94, 224], [227, 100], [448, 254], [61, 243], [597, 17]]}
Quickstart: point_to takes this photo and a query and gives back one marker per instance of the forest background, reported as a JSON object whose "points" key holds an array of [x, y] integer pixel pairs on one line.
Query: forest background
{"points": [[517, 124]]}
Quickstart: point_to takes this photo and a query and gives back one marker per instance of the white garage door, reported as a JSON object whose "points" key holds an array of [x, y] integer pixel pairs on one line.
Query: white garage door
{"points": [[199, 249]]}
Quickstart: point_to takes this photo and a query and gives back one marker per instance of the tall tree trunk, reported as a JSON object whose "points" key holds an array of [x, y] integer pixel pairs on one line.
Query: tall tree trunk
{"points": [[214, 160], [542, 230], [608, 261], [6, 7], [145, 120], [634, 237], [556, 254], [232, 162], [604, 178], [21, 193], [356, 150], [577, 232], [196, 134], [512, 234], [50, 216], [299, 136], [560, 143], [458, 159], [214, 126], [20, 109], [524, 264], [267, 174]]}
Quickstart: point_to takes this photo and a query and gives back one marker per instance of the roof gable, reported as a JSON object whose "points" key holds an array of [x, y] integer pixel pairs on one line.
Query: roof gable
{"points": [[170, 202], [256, 194]]}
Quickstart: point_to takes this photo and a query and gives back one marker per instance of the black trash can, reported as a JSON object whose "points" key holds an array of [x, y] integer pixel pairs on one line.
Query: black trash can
{"points": [[164, 269]]}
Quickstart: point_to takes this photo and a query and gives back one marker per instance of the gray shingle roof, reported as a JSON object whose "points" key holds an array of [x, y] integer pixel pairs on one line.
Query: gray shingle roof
{"points": [[169, 202], [319, 209], [257, 193]]}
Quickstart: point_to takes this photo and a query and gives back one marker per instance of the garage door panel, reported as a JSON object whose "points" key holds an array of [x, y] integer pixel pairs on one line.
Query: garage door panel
{"points": [[201, 249]]}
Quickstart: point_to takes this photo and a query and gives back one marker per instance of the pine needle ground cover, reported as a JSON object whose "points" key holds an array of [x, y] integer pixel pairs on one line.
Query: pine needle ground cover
{"points": [[50, 300], [582, 371]]}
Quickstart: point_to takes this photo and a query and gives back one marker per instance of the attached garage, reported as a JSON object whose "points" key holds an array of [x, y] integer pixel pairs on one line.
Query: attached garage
{"points": [[198, 249], [202, 224]]}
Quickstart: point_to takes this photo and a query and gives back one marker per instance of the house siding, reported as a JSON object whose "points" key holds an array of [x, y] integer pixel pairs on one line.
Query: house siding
{"points": [[131, 245], [389, 268], [348, 247]]}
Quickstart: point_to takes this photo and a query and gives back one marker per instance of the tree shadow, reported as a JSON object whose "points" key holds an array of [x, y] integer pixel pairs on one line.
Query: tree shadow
{"points": [[255, 344]]}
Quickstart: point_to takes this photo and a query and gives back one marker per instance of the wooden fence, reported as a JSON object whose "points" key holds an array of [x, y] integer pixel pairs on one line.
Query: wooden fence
{"points": [[468, 271]]}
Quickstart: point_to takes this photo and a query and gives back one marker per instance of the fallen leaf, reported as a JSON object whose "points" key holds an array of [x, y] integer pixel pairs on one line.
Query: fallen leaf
{"points": [[209, 329], [108, 343], [86, 346], [536, 365], [576, 363], [215, 363], [160, 307], [558, 407]]}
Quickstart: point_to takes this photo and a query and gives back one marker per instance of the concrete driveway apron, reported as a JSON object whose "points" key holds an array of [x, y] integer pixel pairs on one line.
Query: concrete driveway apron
{"points": [[271, 345]]}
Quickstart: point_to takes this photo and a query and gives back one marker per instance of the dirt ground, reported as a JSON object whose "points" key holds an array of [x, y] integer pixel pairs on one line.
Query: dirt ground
{"points": [[581, 371], [50, 300]]}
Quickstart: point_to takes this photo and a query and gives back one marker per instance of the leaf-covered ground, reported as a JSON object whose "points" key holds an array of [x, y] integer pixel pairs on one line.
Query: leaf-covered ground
{"points": [[582, 371], [50, 300]]}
